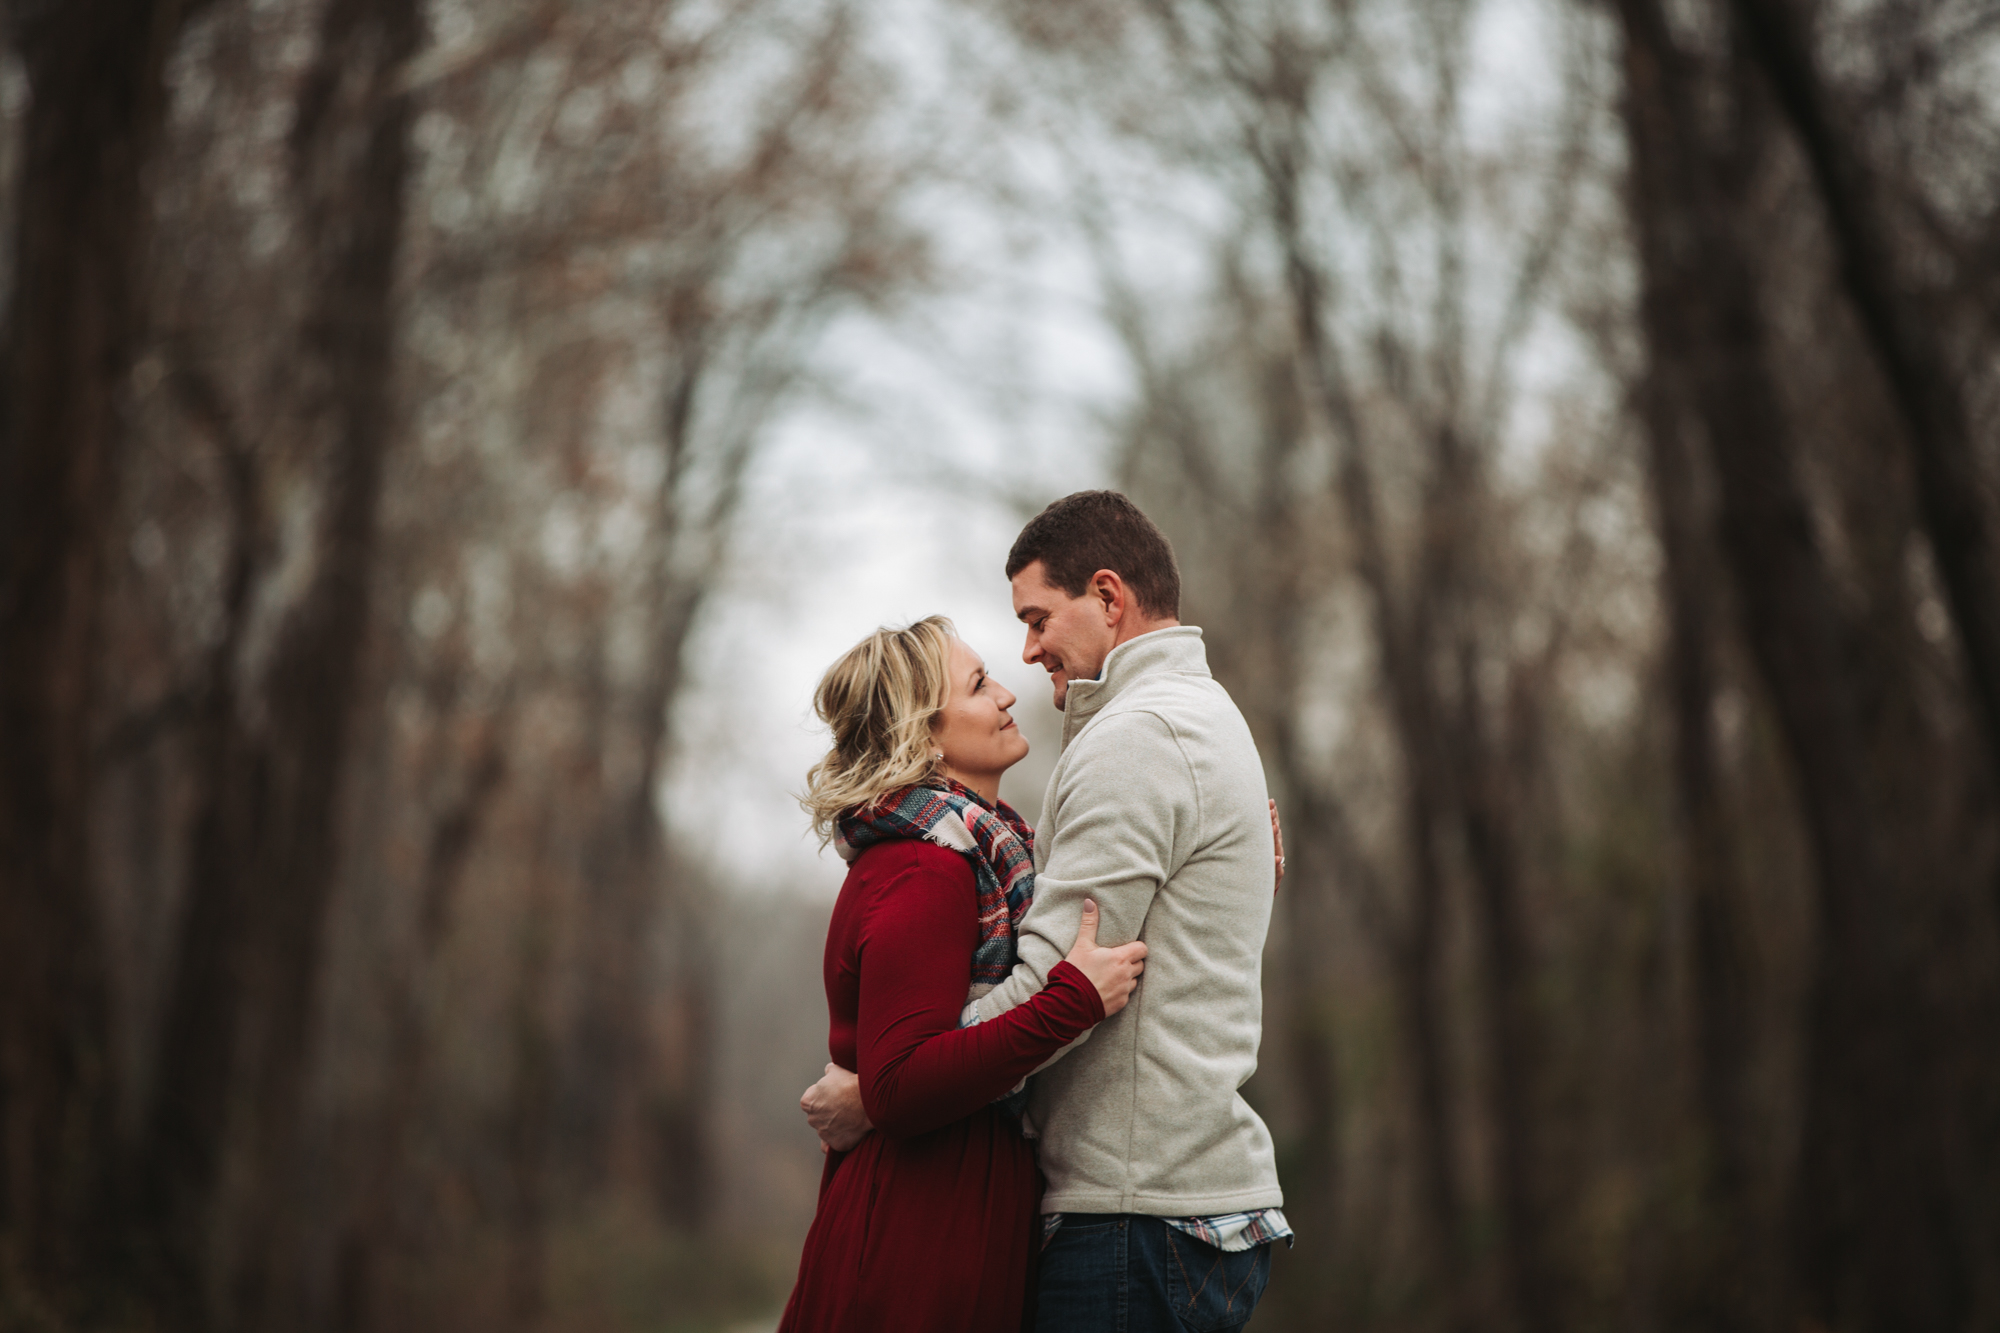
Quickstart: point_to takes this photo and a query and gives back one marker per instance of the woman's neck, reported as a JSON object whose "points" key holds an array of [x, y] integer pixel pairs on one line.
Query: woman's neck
{"points": [[986, 784]]}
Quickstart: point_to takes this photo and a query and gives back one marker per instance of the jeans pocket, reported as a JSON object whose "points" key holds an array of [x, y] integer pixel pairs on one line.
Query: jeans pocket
{"points": [[1081, 1285], [1214, 1291]]}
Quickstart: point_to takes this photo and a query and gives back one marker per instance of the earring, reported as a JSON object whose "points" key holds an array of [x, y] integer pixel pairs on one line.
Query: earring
{"points": [[937, 756]]}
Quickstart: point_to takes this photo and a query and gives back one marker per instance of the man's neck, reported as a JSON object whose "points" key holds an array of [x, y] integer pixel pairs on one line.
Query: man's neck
{"points": [[1124, 636]]}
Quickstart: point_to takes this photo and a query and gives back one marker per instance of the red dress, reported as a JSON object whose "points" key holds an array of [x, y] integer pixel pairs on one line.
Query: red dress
{"points": [[930, 1224]]}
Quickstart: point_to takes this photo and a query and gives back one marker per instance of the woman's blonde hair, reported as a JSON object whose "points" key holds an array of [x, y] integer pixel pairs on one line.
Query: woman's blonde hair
{"points": [[880, 698]]}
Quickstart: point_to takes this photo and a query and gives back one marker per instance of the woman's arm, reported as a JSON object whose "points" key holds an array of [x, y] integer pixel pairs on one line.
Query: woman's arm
{"points": [[919, 1070], [833, 1105]]}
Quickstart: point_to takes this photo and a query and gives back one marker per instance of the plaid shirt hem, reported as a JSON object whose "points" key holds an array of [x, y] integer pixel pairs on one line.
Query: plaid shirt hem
{"points": [[1231, 1232]]}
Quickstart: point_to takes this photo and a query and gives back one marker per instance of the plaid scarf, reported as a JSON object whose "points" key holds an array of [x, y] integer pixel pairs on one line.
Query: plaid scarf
{"points": [[996, 840]]}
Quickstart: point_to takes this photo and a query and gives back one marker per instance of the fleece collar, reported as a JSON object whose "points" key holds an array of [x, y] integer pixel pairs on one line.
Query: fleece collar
{"points": [[1177, 649]]}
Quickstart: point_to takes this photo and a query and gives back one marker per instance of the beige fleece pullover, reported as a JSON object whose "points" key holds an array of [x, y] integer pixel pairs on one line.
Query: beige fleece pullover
{"points": [[1157, 810]]}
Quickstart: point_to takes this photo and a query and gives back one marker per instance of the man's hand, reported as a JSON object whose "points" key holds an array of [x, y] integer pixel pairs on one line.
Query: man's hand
{"points": [[833, 1108], [1277, 846]]}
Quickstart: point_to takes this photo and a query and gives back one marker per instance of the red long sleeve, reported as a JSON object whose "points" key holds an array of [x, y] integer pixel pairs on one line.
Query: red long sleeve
{"points": [[919, 1070], [931, 1223]]}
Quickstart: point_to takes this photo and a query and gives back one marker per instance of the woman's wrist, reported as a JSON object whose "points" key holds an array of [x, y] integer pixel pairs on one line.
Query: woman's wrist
{"points": [[1074, 977]]}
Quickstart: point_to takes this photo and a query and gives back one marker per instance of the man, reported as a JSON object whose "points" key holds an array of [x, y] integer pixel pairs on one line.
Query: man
{"points": [[1162, 1197]]}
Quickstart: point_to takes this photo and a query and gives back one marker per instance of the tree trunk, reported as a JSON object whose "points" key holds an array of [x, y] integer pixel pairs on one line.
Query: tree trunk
{"points": [[179, 1158], [1869, 1203], [1402, 647], [94, 68], [1903, 336], [350, 147], [241, 1015], [372, 1232], [1276, 566], [1490, 819], [1722, 1017], [1307, 1031], [531, 1107], [642, 1107]]}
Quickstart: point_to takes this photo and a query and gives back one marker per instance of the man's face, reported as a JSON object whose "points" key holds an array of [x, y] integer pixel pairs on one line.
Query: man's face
{"points": [[1068, 636]]}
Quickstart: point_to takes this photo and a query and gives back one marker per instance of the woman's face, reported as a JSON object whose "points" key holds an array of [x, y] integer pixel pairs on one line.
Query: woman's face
{"points": [[979, 739]]}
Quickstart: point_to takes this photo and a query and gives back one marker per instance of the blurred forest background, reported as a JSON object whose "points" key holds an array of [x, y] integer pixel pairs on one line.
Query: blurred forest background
{"points": [[441, 443]]}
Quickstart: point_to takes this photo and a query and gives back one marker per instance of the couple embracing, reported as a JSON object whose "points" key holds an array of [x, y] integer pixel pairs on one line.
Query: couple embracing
{"points": [[1127, 1185]]}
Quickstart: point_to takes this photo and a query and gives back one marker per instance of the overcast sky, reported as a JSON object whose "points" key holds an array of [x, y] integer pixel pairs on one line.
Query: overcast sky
{"points": [[896, 499]]}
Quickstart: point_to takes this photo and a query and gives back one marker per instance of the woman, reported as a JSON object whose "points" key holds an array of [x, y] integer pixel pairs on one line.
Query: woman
{"points": [[929, 1225]]}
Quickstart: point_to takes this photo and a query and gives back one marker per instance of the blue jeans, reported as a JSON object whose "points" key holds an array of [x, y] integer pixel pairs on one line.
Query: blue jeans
{"points": [[1125, 1273]]}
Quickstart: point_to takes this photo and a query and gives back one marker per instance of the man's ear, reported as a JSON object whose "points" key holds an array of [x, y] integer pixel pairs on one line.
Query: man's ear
{"points": [[1110, 592]]}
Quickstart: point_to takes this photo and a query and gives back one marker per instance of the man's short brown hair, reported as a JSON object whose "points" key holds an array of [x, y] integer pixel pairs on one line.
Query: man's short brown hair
{"points": [[1092, 530]]}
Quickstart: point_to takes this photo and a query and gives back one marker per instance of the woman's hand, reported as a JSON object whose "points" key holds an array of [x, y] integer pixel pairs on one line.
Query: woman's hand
{"points": [[833, 1108], [1115, 972], [1277, 846]]}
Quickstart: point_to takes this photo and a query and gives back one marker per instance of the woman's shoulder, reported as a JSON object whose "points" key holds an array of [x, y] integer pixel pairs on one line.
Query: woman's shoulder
{"points": [[899, 856], [909, 859], [907, 883]]}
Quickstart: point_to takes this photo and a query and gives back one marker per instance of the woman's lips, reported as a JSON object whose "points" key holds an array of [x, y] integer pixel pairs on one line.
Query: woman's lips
{"points": [[1008, 723]]}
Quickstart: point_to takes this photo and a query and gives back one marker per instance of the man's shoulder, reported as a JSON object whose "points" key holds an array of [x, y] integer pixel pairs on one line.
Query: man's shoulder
{"points": [[1168, 721], [1180, 702], [1186, 724], [1124, 727]]}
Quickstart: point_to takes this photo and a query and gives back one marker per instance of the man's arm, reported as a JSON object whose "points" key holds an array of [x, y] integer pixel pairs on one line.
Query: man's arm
{"points": [[1126, 807]]}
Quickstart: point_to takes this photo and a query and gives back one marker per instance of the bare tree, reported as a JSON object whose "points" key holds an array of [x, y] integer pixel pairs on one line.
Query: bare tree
{"points": [[265, 855], [1723, 1015], [75, 317], [1877, 1171], [1925, 378]]}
